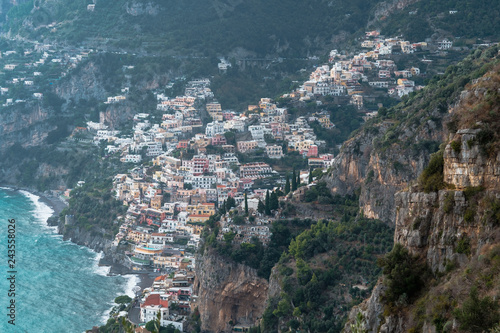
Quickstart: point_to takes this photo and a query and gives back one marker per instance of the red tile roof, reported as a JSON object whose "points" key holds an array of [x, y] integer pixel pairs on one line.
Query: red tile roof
{"points": [[155, 299]]}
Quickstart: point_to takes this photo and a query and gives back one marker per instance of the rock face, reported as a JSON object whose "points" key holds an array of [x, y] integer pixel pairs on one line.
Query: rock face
{"points": [[436, 226], [95, 242], [117, 115], [85, 83], [466, 166], [451, 229], [24, 123], [227, 292], [379, 161]]}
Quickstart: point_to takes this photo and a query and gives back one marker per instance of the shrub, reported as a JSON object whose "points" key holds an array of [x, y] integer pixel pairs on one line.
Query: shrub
{"points": [[456, 146], [448, 202], [492, 211], [471, 192], [431, 179], [403, 274], [463, 245], [477, 314], [369, 177], [469, 215], [123, 299]]}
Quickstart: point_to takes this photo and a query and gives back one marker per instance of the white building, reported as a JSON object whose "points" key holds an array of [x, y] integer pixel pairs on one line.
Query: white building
{"points": [[129, 158], [214, 128]]}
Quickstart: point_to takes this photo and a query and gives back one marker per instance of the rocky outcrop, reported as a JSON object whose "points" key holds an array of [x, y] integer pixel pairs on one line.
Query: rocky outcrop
{"points": [[466, 165], [136, 8], [445, 228], [86, 82], [91, 239], [117, 115], [452, 229], [386, 8], [228, 292], [379, 162], [24, 123], [372, 310]]}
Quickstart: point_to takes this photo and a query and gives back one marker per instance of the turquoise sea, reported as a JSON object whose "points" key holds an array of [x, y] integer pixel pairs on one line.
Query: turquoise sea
{"points": [[59, 286]]}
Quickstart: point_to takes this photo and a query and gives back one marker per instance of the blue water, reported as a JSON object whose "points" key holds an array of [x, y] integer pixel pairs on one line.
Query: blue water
{"points": [[58, 285]]}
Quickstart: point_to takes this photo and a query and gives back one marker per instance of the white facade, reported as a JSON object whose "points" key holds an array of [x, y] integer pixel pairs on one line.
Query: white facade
{"points": [[214, 128]]}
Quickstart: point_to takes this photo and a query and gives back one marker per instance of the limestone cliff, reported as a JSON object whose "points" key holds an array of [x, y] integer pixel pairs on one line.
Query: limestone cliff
{"points": [[383, 157], [391, 150], [24, 123], [452, 229], [228, 292]]}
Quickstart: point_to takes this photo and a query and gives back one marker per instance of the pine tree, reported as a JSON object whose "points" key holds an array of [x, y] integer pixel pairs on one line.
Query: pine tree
{"points": [[310, 175], [268, 204], [294, 180], [246, 204]]}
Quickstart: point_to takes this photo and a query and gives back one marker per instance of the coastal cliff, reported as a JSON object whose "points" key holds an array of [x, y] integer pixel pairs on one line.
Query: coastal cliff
{"points": [[390, 151], [228, 292], [450, 223]]}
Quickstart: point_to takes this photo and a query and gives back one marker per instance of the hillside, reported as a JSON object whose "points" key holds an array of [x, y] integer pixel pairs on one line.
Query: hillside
{"points": [[390, 151], [245, 29], [448, 229], [444, 208], [257, 27]]}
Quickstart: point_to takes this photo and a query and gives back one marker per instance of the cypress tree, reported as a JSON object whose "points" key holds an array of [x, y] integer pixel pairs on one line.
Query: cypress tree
{"points": [[273, 201], [268, 204], [223, 208], [246, 204], [310, 175], [261, 208], [294, 180], [287, 185], [298, 179]]}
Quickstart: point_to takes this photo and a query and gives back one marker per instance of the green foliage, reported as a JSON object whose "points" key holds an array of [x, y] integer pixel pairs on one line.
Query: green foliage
{"points": [[358, 326], [287, 184], [239, 220], [456, 146], [477, 314], [369, 177], [310, 283], [403, 274], [472, 192], [319, 192], [492, 211], [194, 26], [323, 237], [94, 207], [417, 27], [469, 215], [463, 245], [431, 179], [449, 202], [123, 299]]}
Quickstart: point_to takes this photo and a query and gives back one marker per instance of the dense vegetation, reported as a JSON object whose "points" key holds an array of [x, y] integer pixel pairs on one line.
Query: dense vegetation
{"points": [[291, 27], [430, 16], [321, 263], [327, 269], [94, 208]]}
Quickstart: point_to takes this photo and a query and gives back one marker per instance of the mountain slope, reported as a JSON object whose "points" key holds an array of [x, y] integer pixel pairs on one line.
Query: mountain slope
{"points": [[449, 222], [391, 150], [261, 27]]}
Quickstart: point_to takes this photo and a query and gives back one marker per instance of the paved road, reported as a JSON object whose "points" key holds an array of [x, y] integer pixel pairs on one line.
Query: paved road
{"points": [[133, 314]]}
